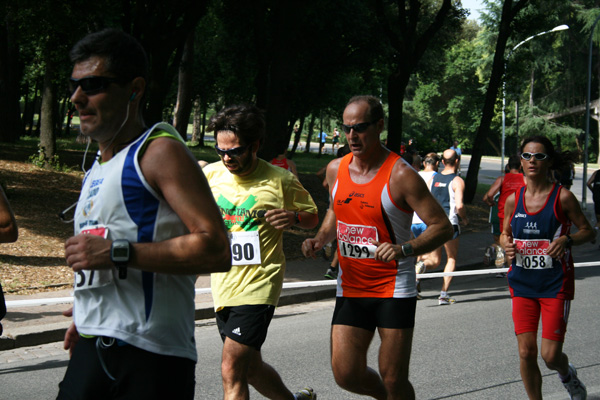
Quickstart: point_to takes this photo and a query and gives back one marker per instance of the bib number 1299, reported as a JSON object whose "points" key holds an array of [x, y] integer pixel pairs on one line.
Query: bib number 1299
{"points": [[354, 251]]}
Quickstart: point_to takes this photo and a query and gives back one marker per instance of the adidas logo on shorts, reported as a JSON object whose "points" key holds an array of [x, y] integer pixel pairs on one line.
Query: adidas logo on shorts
{"points": [[237, 331]]}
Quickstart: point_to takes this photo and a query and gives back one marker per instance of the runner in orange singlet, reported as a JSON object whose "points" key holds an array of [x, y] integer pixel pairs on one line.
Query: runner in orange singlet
{"points": [[373, 196]]}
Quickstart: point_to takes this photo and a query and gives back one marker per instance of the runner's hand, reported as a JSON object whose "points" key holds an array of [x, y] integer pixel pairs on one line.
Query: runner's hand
{"points": [[280, 218], [387, 252], [310, 247], [71, 335], [558, 247], [510, 249], [88, 252]]}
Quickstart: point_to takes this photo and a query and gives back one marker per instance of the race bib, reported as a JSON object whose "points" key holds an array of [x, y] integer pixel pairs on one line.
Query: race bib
{"points": [[533, 254], [245, 248], [355, 241], [89, 279]]}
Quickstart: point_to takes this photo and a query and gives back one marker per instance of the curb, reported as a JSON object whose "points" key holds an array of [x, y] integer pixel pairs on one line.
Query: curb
{"points": [[55, 332]]}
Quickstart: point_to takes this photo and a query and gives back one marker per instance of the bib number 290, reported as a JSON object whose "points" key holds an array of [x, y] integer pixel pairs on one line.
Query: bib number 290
{"points": [[242, 252], [245, 248]]}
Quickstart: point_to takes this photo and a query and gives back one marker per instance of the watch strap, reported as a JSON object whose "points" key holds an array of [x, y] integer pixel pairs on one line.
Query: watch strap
{"points": [[569, 241]]}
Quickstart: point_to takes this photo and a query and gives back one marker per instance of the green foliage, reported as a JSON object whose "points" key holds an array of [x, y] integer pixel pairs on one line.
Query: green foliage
{"points": [[237, 45], [306, 163], [447, 105], [42, 161]]}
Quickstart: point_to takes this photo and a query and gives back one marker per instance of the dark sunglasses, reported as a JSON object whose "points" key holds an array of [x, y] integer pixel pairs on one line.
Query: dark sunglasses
{"points": [[232, 153], [91, 84], [359, 128], [537, 156]]}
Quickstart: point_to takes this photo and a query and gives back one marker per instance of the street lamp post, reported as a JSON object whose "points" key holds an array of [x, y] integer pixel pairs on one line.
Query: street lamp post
{"points": [[587, 121], [556, 29]]}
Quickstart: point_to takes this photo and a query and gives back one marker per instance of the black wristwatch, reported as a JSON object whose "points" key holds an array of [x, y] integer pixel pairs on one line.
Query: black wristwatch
{"points": [[297, 217], [569, 241], [407, 249], [120, 253]]}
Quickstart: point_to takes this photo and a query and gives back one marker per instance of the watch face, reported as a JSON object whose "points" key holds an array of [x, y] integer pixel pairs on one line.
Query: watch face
{"points": [[120, 251]]}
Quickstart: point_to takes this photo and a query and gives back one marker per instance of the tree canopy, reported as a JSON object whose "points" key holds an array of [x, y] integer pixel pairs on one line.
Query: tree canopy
{"points": [[438, 73]]}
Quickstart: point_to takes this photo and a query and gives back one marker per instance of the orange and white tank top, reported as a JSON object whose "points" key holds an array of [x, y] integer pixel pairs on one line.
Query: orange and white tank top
{"points": [[366, 212]]}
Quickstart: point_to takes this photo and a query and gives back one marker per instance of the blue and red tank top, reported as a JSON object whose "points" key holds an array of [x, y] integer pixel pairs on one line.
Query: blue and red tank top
{"points": [[533, 273]]}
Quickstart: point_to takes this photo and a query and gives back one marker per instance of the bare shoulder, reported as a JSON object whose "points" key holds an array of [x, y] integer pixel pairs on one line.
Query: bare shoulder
{"points": [[332, 169], [458, 182], [165, 147], [405, 182], [567, 198], [168, 159], [402, 171]]}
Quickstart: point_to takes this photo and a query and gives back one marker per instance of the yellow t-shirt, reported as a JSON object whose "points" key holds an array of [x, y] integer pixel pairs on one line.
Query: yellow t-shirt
{"points": [[240, 200]]}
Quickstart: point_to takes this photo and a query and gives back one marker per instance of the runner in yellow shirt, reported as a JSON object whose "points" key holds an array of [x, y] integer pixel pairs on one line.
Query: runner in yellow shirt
{"points": [[257, 201]]}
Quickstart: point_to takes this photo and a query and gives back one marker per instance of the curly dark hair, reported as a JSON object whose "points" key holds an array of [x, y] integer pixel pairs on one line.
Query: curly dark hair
{"points": [[245, 120]]}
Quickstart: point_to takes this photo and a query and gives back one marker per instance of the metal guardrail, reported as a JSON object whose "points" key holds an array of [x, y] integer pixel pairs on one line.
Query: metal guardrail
{"points": [[289, 285]]}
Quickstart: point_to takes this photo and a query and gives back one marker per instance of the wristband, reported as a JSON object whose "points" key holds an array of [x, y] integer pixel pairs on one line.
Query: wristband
{"points": [[569, 241]]}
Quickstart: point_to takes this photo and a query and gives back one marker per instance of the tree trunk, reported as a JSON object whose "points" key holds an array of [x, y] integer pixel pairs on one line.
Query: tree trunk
{"points": [[164, 46], [196, 121], [47, 135], [280, 92], [508, 14], [311, 126], [531, 84], [10, 115], [598, 119], [397, 84], [297, 136], [70, 111], [30, 112], [410, 46], [184, 93]]}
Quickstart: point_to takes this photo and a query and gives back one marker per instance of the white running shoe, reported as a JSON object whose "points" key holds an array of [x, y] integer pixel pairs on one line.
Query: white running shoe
{"points": [[574, 386], [444, 301], [420, 267], [306, 394]]}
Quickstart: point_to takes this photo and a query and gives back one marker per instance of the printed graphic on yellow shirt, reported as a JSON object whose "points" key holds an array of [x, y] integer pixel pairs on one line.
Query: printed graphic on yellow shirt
{"points": [[242, 215]]}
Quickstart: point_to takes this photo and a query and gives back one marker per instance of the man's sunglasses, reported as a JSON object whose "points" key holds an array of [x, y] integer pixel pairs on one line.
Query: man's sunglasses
{"points": [[537, 156], [359, 128], [91, 84], [232, 153]]}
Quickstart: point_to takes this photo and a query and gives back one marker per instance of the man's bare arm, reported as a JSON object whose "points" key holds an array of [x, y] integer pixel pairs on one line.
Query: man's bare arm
{"points": [[327, 231], [459, 189], [410, 192], [173, 172], [8, 224], [488, 197]]}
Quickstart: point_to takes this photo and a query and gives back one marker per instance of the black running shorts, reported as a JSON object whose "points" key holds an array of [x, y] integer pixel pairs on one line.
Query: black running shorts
{"points": [[370, 313], [137, 373], [247, 325]]}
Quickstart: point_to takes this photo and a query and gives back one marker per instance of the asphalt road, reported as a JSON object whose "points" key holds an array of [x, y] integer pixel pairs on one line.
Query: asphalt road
{"points": [[463, 351]]}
